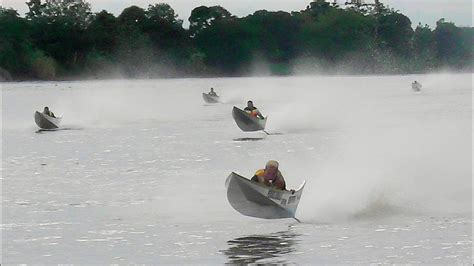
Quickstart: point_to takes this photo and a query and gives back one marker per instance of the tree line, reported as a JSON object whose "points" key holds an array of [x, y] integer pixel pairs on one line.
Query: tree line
{"points": [[64, 39]]}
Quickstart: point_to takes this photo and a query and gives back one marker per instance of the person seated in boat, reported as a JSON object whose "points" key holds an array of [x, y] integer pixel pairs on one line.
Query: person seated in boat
{"points": [[251, 109], [47, 112], [270, 176], [212, 92], [416, 86]]}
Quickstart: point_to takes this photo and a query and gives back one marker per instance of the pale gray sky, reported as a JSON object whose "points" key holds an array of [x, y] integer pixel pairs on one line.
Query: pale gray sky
{"points": [[424, 11]]}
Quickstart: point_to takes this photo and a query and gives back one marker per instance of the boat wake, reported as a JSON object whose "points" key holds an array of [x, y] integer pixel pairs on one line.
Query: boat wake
{"points": [[402, 171]]}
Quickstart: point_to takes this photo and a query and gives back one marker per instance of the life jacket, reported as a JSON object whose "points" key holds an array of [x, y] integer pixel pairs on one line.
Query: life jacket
{"points": [[49, 113], [252, 111], [278, 182]]}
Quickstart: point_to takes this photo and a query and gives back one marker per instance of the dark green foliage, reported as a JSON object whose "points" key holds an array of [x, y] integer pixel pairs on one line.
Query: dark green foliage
{"points": [[58, 29], [275, 34], [453, 44], [63, 38], [203, 17], [133, 16], [102, 32], [226, 46], [160, 13], [395, 34], [318, 8], [166, 32], [338, 33], [423, 48], [15, 46]]}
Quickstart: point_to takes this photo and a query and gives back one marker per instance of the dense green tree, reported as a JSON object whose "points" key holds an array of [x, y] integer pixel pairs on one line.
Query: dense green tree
{"points": [[17, 53], [467, 44], [61, 38], [15, 47], [35, 9], [423, 48], [226, 47], [395, 33], [164, 29], [59, 29], [451, 48], [78, 12], [336, 34], [317, 8], [102, 32], [134, 48], [203, 17], [163, 12], [133, 16], [275, 34]]}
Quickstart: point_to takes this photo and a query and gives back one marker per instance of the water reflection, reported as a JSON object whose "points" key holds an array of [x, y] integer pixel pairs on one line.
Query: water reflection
{"points": [[248, 139], [253, 248], [42, 131]]}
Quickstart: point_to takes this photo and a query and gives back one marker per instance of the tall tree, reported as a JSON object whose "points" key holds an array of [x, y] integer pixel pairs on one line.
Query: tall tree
{"points": [[103, 32], [450, 50], [274, 34], [135, 50], [58, 28], [336, 34], [35, 9], [202, 17], [133, 16], [318, 7], [395, 33], [423, 48], [15, 47], [163, 12], [226, 47], [77, 12], [166, 33]]}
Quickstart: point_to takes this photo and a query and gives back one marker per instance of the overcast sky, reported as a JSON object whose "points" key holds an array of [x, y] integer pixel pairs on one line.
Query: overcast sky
{"points": [[424, 11]]}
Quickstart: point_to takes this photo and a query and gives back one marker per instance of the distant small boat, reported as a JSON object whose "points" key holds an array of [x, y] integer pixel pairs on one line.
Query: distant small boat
{"points": [[248, 122], [256, 200], [44, 121], [210, 98]]}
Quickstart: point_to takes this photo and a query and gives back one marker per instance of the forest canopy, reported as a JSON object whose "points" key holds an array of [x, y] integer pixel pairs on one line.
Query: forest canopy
{"points": [[64, 39]]}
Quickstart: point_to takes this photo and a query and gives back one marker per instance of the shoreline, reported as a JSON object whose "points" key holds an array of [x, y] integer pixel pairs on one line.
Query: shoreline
{"points": [[440, 71]]}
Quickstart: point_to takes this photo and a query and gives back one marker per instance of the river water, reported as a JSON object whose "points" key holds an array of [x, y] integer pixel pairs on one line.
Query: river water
{"points": [[136, 174]]}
